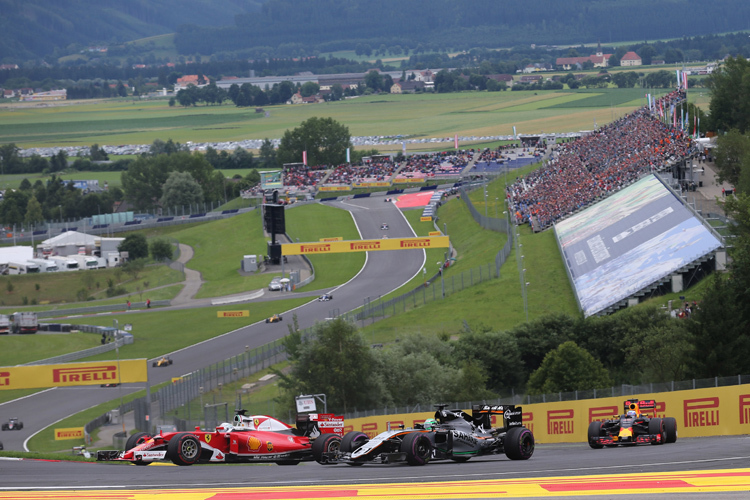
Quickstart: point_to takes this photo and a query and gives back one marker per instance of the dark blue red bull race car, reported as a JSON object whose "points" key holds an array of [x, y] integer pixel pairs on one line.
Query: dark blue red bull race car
{"points": [[633, 427]]}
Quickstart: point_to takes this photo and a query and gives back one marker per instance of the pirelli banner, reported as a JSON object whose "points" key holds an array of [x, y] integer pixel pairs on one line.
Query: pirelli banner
{"points": [[364, 245], [72, 374], [717, 411]]}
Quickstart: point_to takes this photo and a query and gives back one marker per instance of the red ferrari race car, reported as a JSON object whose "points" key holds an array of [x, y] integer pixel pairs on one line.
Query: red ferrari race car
{"points": [[633, 427], [248, 439]]}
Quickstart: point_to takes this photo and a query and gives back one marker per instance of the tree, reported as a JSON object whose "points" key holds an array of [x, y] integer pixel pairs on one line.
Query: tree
{"points": [[181, 189], [135, 245], [720, 326], [97, 154], [324, 139], [732, 156], [625, 79], [337, 92], [662, 352], [647, 53], [374, 80], [309, 89], [498, 355], [337, 362], [159, 147], [34, 213], [267, 153], [568, 368], [730, 96], [134, 267], [161, 249]]}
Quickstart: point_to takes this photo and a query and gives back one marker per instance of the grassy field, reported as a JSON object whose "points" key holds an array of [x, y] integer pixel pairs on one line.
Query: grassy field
{"points": [[313, 222], [62, 288], [218, 258], [497, 304], [419, 115]]}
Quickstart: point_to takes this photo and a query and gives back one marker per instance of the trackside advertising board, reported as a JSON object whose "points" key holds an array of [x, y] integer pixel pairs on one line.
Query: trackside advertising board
{"points": [[69, 433], [364, 245], [73, 374], [716, 411]]}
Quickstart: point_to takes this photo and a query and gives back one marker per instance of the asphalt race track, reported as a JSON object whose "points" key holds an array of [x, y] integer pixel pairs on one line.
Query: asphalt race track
{"points": [[383, 272], [649, 470]]}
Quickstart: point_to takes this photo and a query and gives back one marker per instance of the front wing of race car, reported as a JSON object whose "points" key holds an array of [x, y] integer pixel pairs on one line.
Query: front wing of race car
{"points": [[638, 439]]}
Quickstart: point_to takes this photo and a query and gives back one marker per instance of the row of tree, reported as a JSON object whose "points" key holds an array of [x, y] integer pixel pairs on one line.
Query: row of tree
{"points": [[553, 354]]}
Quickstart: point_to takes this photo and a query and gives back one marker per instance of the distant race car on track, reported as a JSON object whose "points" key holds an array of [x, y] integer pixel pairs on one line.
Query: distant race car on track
{"points": [[633, 427], [13, 424], [274, 319], [248, 439], [164, 361], [384, 227], [451, 435], [325, 297]]}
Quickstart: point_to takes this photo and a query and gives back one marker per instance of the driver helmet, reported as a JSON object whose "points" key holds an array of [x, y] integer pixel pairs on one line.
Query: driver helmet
{"points": [[631, 413], [430, 424]]}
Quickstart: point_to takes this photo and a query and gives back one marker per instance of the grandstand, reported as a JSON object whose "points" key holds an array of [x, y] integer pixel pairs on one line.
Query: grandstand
{"points": [[596, 165]]}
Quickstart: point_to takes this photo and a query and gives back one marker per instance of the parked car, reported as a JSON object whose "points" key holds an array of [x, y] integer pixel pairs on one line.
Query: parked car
{"points": [[275, 285]]}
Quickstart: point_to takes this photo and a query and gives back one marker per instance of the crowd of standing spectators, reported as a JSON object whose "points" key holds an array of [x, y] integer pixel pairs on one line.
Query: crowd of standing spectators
{"points": [[594, 166]]}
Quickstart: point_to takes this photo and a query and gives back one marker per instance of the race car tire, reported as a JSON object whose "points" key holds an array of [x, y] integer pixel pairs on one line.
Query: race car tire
{"points": [[595, 430], [20, 426], [656, 426], [153, 365], [417, 447], [353, 440], [136, 439], [670, 428], [519, 443], [184, 449], [5, 427], [267, 320], [324, 446]]}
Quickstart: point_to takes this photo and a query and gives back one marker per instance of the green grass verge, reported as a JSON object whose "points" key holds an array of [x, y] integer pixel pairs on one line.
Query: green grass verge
{"points": [[218, 258], [313, 222], [63, 288]]}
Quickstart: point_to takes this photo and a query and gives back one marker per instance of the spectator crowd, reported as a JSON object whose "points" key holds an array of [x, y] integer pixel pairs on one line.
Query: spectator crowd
{"points": [[594, 166]]}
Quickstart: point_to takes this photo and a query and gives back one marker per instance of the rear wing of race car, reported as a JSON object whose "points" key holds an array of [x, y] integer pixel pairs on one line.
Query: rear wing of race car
{"points": [[325, 423], [512, 415], [639, 405]]}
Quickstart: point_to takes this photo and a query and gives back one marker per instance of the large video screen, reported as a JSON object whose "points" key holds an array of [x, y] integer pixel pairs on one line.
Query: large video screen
{"points": [[625, 243]]}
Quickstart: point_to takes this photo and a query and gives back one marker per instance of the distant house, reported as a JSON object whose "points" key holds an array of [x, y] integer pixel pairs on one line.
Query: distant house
{"points": [[183, 82], [631, 59], [599, 60], [507, 79], [296, 99], [406, 86], [425, 76]]}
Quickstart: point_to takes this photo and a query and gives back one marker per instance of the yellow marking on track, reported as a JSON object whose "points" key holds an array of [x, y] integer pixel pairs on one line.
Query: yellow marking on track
{"points": [[709, 481]]}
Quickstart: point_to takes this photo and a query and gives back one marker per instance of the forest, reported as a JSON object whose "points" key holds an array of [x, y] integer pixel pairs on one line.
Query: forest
{"points": [[44, 31]]}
